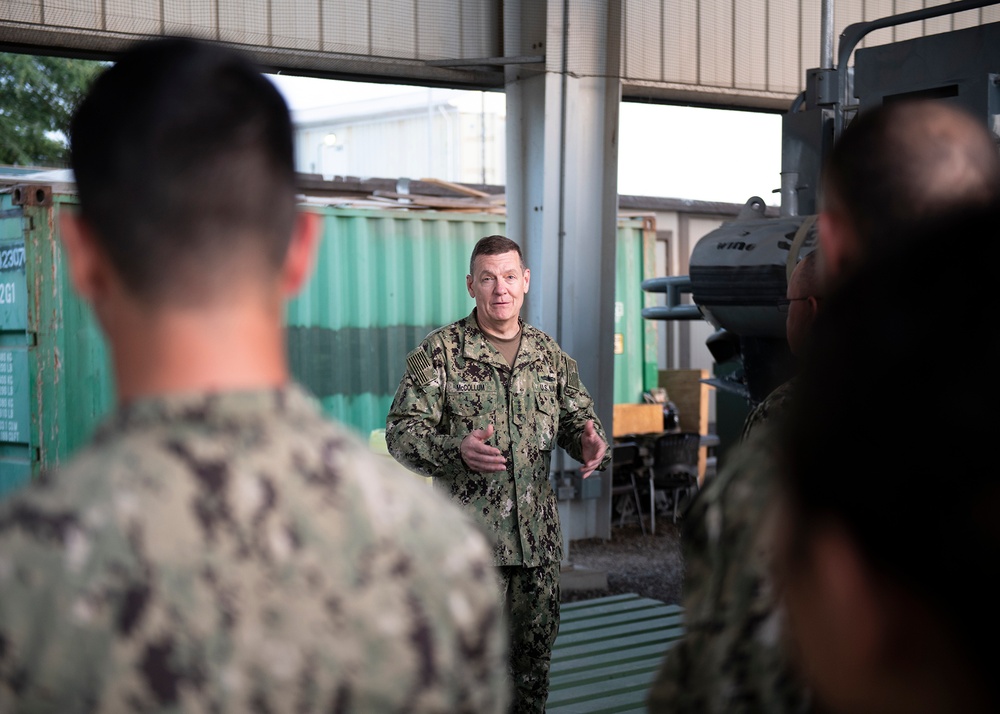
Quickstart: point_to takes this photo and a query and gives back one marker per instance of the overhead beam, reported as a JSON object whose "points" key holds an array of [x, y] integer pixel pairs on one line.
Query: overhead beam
{"points": [[751, 54], [328, 65]]}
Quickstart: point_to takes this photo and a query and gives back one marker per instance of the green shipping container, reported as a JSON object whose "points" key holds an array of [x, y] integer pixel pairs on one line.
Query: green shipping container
{"points": [[635, 338], [383, 280], [55, 383]]}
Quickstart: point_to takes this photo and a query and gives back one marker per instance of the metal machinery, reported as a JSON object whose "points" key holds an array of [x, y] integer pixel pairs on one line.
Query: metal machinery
{"points": [[738, 272]]}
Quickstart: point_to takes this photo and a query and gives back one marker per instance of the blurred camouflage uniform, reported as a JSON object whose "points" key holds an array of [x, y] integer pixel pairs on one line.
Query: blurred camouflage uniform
{"points": [[732, 657], [772, 405], [456, 382], [236, 552]]}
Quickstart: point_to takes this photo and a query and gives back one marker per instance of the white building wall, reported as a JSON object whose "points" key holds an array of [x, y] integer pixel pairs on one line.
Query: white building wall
{"points": [[413, 146], [450, 137], [483, 149]]}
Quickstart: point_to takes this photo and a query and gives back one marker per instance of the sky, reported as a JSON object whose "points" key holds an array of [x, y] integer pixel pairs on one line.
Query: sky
{"points": [[665, 151]]}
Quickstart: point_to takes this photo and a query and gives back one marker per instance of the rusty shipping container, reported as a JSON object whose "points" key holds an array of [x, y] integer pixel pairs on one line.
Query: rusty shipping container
{"points": [[55, 383]]}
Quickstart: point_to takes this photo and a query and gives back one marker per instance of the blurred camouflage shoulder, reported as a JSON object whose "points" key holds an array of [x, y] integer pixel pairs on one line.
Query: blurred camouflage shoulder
{"points": [[239, 552], [772, 406]]}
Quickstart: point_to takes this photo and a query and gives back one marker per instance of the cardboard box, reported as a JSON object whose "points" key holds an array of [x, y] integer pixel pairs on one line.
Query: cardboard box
{"points": [[690, 394], [637, 419], [686, 390]]}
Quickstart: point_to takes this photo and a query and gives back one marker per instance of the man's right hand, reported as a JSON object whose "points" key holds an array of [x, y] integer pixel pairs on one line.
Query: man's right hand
{"points": [[480, 456]]}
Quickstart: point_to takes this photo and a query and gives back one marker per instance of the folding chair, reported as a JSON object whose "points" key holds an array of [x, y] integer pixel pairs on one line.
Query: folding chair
{"points": [[626, 460], [674, 469]]}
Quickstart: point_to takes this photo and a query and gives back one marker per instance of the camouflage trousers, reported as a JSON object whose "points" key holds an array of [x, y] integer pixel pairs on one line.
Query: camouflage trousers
{"points": [[531, 600]]}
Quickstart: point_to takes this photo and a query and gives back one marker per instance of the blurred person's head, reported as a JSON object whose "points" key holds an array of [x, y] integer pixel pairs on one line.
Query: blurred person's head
{"points": [[182, 155], [896, 166], [803, 296], [188, 241], [890, 533]]}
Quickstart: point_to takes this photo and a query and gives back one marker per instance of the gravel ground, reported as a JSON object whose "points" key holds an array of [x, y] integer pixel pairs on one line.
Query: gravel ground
{"points": [[647, 565]]}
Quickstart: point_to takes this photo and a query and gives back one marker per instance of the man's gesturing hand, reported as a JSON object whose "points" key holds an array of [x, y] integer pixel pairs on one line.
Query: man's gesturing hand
{"points": [[480, 456], [593, 449]]}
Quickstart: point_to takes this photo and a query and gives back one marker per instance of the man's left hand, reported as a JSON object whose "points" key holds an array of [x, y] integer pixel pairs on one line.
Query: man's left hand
{"points": [[593, 449]]}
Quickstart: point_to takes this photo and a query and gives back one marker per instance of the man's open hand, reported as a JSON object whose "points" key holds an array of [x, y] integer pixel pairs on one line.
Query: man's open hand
{"points": [[480, 456], [593, 449]]}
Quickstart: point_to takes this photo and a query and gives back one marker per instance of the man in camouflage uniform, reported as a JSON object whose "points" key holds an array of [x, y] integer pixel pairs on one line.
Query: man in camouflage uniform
{"points": [[480, 408], [894, 167], [220, 546]]}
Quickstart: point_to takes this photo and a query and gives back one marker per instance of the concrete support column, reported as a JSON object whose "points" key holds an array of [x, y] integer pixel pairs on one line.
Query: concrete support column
{"points": [[562, 193]]}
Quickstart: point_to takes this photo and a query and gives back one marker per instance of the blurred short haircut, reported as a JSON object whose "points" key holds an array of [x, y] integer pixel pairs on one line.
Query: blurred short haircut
{"points": [[183, 158], [904, 162]]}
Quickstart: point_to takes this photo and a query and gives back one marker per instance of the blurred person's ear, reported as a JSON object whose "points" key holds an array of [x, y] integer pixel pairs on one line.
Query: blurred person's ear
{"points": [[811, 308], [301, 254], [838, 244], [853, 601], [90, 270]]}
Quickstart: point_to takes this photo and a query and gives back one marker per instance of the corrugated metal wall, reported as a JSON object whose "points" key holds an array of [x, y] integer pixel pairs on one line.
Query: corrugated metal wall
{"points": [[750, 53], [636, 342], [359, 38], [756, 52], [384, 279], [421, 29]]}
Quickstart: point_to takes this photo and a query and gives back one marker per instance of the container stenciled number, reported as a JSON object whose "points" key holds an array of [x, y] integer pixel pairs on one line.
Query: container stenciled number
{"points": [[8, 294], [12, 258]]}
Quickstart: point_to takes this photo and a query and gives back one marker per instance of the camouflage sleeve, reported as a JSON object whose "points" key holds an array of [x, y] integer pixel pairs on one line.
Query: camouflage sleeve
{"points": [[413, 428], [576, 409], [678, 687]]}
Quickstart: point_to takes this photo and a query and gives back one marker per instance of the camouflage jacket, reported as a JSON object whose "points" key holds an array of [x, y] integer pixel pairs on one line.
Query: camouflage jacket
{"points": [[239, 553], [732, 658], [455, 382], [772, 405]]}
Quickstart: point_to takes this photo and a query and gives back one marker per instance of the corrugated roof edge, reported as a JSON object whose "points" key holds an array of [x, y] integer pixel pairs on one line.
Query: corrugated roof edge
{"points": [[314, 186]]}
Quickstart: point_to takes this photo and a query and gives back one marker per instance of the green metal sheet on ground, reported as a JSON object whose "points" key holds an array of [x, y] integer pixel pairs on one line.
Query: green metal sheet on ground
{"points": [[608, 651]]}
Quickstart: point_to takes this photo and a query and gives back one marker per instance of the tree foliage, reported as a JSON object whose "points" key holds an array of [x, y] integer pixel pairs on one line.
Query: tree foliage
{"points": [[37, 97]]}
